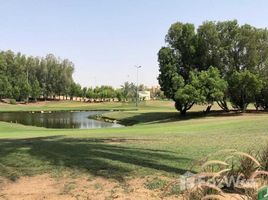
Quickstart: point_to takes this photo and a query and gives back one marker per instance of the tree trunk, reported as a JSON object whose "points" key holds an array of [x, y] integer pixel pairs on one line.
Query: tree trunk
{"points": [[178, 106], [256, 106], [183, 111], [208, 108], [183, 108], [223, 105], [244, 108]]}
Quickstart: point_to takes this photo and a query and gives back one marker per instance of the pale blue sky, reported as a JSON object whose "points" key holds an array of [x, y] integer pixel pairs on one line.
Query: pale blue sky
{"points": [[106, 38]]}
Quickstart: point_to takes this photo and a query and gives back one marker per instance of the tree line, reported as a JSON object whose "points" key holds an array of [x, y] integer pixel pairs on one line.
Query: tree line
{"points": [[126, 93], [217, 62], [23, 76]]}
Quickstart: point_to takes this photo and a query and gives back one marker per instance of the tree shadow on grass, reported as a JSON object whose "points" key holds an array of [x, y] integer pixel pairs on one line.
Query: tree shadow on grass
{"points": [[95, 156], [164, 117]]}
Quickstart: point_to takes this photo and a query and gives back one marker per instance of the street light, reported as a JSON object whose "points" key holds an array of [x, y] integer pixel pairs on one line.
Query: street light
{"points": [[137, 83]]}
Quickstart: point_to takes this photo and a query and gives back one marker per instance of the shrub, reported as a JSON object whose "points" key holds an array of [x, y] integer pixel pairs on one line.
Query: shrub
{"points": [[262, 98], [233, 171], [244, 87], [263, 158], [13, 101]]}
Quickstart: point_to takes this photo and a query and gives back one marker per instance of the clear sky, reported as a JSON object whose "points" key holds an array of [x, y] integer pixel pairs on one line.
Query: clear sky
{"points": [[107, 38]]}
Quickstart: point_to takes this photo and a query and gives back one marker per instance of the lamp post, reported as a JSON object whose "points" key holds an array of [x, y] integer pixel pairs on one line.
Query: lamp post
{"points": [[137, 85]]}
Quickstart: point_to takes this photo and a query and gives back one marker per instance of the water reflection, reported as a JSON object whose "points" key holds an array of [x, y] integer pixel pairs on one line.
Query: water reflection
{"points": [[77, 120]]}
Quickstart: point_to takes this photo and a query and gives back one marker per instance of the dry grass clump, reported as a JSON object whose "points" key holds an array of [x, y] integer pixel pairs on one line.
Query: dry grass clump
{"points": [[203, 191], [235, 172], [263, 158]]}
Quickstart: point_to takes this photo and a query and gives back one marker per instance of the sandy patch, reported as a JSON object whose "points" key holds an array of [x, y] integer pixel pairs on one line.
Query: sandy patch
{"points": [[82, 188], [45, 187]]}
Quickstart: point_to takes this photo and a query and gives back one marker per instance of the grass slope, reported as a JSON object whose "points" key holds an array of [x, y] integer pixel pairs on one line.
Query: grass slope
{"points": [[163, 146]]}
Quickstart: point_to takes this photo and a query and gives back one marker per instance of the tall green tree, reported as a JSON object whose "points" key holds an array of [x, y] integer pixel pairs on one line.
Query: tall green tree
{"points": [[75, 90], [176, 62], [187, 94], [5, 87], [22, 73], [90, 94], [25, 90], [129, 91], [244, 87], [231, 48], [36, 90], [211, 86]]}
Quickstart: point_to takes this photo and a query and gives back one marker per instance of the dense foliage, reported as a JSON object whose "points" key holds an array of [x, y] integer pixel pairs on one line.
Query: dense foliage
{"points": [[22, 77], [25, 77], [238, 54]]}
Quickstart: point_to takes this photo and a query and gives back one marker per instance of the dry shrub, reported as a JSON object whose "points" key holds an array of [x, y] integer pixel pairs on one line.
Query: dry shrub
{"points": [[263, 158], [248, 166], [260, 178], [203, 191], [237, 172]]}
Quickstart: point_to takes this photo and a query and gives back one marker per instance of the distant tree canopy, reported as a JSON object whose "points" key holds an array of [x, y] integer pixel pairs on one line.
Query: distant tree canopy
{"points": [[26, 77], [22, 77], [217, 62]]}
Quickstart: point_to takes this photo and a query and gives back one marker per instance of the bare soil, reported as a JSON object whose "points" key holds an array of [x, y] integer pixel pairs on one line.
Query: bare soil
{"points": [[46, 187], [80, 188]]}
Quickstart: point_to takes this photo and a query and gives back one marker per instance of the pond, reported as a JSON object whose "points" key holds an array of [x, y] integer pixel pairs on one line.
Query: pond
{"points": [[75, 119]]}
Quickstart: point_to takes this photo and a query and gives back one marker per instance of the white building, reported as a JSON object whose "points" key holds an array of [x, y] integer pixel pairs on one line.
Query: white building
{"points": [[144, 95]]}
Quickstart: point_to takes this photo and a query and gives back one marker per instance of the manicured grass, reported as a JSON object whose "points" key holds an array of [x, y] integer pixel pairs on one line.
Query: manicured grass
{"points": [[65, 105], [166, 144]]}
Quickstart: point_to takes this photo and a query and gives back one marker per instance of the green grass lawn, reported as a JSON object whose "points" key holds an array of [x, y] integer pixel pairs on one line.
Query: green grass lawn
{"points": [[65, 105], [159, 142]]}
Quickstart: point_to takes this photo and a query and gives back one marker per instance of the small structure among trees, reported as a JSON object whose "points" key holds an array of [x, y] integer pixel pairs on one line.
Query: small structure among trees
{"points": [[144, 95]]}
